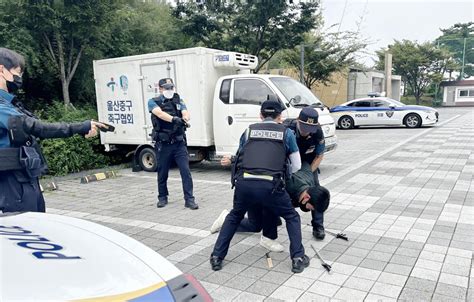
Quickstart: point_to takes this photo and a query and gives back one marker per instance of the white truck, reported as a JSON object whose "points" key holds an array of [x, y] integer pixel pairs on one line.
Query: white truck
{"points": [[221, 94]]}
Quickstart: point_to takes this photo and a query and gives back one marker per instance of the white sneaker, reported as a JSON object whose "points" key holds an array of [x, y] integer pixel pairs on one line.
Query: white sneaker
{"points": [[216, 226], [272, 245]]}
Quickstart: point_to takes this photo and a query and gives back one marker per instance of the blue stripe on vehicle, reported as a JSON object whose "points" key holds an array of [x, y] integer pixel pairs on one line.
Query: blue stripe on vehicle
{"points": [[405, 108]]}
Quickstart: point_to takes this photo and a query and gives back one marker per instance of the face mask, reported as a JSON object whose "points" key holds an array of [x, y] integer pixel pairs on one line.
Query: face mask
{"points": [[14, 85], [168, 94]]}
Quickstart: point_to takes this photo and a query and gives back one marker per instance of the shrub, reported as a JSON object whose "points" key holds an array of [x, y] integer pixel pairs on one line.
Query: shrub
{"points": [[73, 154]]}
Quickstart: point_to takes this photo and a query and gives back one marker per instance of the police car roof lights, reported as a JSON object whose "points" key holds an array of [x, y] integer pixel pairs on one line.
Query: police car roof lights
{"points": [[373, 94]]}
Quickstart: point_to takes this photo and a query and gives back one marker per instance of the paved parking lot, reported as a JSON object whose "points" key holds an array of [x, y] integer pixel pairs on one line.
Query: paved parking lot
{"points": [[404, 196]]}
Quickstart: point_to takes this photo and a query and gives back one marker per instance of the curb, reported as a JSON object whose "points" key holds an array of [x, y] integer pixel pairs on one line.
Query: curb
{"points": [[98, 176], [48, 186]]}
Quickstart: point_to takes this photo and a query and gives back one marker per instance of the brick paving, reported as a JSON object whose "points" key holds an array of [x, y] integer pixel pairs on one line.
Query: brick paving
{"points": [[404, 196]]}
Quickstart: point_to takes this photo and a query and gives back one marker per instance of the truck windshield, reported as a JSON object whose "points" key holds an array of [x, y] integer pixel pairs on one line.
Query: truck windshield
{"points": [[296, 93]]}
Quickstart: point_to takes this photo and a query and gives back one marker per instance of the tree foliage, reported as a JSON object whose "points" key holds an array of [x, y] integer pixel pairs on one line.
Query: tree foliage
{"points": [[259, 28], [452, 40], [324, 55], [420, 65]]}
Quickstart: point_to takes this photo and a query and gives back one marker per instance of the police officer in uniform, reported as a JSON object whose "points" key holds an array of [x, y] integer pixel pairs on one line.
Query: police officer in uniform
{"points": [[310, 139], [21, 159], [169, 116], [258, 175]]}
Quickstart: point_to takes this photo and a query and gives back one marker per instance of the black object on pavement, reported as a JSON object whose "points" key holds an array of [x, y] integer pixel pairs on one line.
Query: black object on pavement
{"points": [[323, 263]]}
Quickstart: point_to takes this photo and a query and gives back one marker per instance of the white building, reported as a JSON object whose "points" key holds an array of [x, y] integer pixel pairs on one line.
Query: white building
{"points": [[458, 93]]}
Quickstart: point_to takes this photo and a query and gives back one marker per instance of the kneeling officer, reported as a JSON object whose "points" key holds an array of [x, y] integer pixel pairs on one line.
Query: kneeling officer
{"points": [[21, 159], [258, 175]]}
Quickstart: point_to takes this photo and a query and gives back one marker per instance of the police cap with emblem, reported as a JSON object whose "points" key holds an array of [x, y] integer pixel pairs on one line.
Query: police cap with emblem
{"points": [[165, 81], [272, 105], [308, 120]]}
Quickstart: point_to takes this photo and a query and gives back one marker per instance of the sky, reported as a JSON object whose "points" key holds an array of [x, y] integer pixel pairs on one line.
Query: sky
{"points": [[386, 20]]}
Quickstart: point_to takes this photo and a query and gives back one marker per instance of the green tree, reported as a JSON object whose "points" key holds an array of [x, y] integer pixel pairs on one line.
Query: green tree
{"points": [[325, 55], [259, 28], [452, 39], [419, 65]]}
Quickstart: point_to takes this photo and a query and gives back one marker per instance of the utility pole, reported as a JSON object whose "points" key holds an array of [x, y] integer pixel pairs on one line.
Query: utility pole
{"points": [[302, 63], [388, 74], [463, 57]]}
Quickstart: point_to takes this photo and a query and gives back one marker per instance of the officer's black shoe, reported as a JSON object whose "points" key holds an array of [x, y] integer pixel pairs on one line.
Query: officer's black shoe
{"points": [[318, 232], [191, 204], [216, 263], [161, 203], [299, 264], [279, 222]]}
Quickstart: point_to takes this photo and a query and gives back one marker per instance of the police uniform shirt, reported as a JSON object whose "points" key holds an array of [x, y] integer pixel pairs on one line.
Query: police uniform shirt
{"points": [[290, 142], [311, 146], [152, 104], [6, 111]]}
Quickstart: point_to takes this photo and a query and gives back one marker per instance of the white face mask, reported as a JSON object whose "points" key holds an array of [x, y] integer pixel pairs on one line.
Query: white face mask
{"points": [[168, 94]]}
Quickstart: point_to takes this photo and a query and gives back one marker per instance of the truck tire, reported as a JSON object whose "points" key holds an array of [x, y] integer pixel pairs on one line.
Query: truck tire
{"points": [[147, 159]]}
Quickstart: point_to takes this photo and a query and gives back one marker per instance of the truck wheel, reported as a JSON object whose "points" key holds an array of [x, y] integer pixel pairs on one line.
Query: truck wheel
{"points": [[412, 120], [346, 122], [147, 159]]}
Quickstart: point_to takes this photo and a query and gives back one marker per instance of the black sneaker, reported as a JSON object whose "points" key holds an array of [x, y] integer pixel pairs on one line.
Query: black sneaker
{"points": [[299, 264], [216, 263], [162, 203], [318, 232], [191, 204]]}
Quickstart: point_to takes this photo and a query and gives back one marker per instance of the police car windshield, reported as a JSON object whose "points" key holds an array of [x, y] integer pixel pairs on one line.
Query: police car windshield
{"points": [[296, 93]]}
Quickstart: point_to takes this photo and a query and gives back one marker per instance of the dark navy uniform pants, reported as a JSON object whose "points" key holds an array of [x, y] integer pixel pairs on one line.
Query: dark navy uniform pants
{"points": [[165, 155], [317, 218], [18, 196], [259, 219], [250, 195]]}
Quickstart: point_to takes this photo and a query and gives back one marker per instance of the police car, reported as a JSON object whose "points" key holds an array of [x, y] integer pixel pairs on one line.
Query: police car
{"points": [[46, 257], [377, 111]]}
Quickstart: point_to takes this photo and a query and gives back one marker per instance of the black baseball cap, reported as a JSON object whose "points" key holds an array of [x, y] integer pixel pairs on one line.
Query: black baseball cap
{"points": [[165, 81], [308, 120], [271, 106]]}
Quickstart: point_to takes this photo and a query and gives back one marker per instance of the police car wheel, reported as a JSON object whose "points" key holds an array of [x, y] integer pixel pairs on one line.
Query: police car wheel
{"points": [[412, 120], [147, 160], [346, 122]]}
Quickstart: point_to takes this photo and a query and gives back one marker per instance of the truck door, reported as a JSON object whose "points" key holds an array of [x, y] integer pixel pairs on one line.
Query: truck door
{"points": [[151, 74], [243, 97]]}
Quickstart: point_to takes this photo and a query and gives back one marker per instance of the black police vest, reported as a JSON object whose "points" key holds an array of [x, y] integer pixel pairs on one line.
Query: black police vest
{"points": [[170, 107], [264, 152]]}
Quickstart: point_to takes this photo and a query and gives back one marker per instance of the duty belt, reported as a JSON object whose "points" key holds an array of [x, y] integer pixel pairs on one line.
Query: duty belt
{"points": [[10, 159]]}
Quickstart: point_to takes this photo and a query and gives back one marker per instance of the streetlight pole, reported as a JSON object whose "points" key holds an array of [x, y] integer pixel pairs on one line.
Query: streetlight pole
{"points": [[463, 57]]}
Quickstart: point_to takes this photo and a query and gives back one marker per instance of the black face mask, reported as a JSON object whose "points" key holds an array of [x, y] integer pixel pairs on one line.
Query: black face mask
{"points": [[14, 85]]}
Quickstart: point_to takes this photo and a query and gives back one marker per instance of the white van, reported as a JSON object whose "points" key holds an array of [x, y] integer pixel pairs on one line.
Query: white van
{"points": [[221, 94]]}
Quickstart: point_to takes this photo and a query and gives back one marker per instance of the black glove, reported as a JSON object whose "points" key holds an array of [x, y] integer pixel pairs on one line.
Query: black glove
{"points": [[178, 121]]}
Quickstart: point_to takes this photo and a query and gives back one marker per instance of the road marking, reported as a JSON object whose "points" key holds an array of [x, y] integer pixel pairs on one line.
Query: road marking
{"points": [[346, 171], [133, 223]]}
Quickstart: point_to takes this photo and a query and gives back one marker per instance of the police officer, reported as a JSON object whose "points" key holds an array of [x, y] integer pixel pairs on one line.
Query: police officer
{"points": [[258, 176], [169, 116], [21, 159], [310, 140]]}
